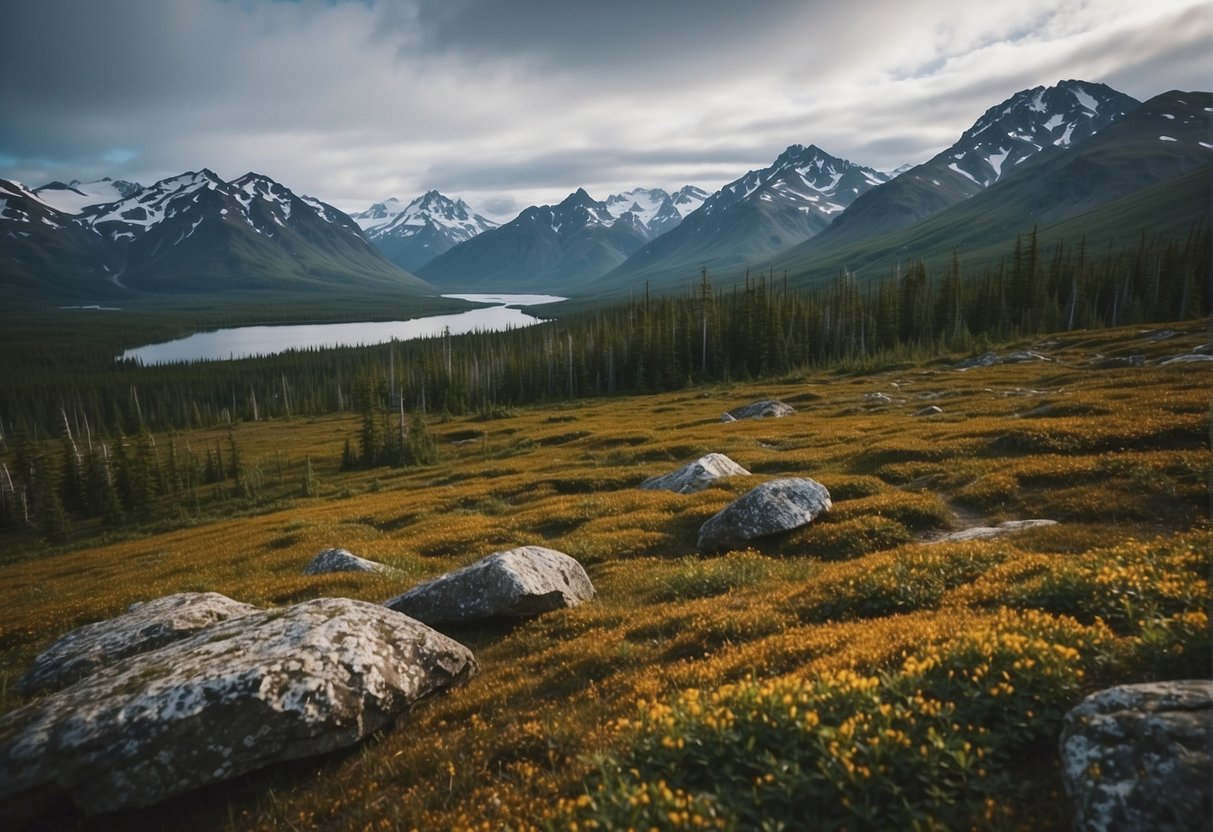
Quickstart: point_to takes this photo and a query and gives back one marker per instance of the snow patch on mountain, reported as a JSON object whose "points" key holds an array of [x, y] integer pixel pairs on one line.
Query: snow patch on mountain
{"points": [[75, 196]]}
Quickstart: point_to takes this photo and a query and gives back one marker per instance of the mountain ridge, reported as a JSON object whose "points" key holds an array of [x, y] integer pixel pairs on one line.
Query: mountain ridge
{"points": [[561, 246]]}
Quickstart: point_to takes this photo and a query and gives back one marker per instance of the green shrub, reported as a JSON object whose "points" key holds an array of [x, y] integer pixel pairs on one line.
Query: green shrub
{"points": [[932, 745]]}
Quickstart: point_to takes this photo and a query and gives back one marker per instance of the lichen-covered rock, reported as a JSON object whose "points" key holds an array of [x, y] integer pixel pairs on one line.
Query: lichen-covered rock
{"points": [[766, 409], [145, 626], [776, 506], [1137, 757], [520, 583], [696, 476], [341, 560], [987, 532], [270, 686], [877, 398]]}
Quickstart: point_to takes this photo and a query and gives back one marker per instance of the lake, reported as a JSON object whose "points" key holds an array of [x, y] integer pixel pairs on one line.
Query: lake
{"points": [[250, 341]]}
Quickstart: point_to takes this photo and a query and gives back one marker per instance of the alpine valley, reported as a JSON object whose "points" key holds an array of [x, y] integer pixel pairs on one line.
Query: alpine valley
{"points": [[839, 497], [1074, 162]]}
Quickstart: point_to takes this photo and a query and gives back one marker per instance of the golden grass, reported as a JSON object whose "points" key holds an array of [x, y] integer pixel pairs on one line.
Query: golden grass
{"points": [[1117, 454]]}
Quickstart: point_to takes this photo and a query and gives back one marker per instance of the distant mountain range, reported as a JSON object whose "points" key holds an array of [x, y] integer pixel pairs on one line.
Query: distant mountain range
{"points": [[414, 234], [192, 233], [1076, 160], [1027, 123], [1147, 171], [761, 213], [563, 246]]}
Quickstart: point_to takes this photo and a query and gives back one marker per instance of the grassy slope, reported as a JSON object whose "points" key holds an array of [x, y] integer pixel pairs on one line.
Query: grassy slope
{"points": [[984, 231], [1113, 455]]}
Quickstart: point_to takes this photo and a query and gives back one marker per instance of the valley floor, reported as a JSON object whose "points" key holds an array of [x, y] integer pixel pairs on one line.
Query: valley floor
{"points": [[614, 713]]}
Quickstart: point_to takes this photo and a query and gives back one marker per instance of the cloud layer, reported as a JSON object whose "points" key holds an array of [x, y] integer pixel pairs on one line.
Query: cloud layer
{"points": [[514, 103]]}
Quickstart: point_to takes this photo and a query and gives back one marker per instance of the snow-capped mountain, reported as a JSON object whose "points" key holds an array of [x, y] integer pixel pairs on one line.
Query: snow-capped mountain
{"points": [[75, 196], [43, 248], [757, 215], [378, 214], [1147, 172], [1041, 119], [562, 245], [195, 231], [188, 233], [413, 235]]}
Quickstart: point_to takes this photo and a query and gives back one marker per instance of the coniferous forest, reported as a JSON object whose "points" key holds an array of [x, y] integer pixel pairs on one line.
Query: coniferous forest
{"points": [[110, 465]]}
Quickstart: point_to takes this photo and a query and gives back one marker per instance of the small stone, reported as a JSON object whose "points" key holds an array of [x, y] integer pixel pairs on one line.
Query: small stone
{"points": [[696, 476], [987, 532], [340, 560], [930, 410], [1193, 358], [1117, 362], [765, 409], [986, 359]]}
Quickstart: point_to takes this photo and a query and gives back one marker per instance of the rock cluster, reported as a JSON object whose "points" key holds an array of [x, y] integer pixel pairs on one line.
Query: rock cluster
{"points": [[268, 686]]}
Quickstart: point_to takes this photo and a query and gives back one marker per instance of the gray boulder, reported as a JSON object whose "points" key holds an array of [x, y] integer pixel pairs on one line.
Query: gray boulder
{"points": [[776, 506], [765, 409], [340, 560], [1023, 357], [1137, 757], [986, 359], [1161, 335], [696, 476], [988, 532], [1117, 362], [1193, 358], [145, 626], [271, 686], [520, 583]]}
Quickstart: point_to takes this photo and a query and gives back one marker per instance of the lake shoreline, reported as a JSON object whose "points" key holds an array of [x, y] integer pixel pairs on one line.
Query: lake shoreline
{"points": [[497, 312]]}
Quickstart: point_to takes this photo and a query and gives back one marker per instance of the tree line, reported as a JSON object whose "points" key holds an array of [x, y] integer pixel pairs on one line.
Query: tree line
{"points": [[105, 421]]}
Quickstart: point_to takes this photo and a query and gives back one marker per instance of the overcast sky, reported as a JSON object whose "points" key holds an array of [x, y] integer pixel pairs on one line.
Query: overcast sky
{"points": [[508, 103]]}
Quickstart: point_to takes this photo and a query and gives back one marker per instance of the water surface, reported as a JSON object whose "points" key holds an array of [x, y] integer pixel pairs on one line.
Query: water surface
{"points": [[250, 341]]}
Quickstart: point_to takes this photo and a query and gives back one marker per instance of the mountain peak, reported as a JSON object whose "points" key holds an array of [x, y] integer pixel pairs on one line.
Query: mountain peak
{"points": [[429, 225]]}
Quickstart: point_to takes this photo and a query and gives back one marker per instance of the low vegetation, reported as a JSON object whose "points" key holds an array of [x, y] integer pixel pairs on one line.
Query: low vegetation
{"points": [[859, 672]]}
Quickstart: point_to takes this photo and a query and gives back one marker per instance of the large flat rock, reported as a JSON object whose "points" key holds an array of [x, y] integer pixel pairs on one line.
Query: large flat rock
{"points": [[145, 626], [519, 583], [243, 694]]}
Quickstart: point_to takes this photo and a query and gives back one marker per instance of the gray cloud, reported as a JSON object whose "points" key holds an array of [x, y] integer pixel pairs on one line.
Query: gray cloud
{"points": [[516, 103]]}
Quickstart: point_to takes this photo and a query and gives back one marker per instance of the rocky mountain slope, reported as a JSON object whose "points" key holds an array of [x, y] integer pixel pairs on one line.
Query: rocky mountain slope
{"points": [[562, 247]]}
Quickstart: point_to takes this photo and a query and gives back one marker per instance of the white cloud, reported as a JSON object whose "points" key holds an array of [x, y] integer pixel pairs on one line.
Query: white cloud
{"points": [[520, 103]]}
